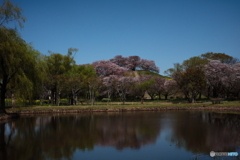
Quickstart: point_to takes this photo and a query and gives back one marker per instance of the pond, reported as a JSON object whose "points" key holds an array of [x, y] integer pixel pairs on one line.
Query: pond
{"points": [[124, 135]]}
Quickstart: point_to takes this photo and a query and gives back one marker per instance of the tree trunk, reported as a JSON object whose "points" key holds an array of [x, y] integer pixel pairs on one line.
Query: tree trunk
{"points": [[74, 99], [193, 100], [215, 93], [200, 96], [142, 99], [151, 95], [58, 98], [91, 95], [3, 92], [53, 96], [159, 96], [93, 98], [109, 97], [13, 100], [41, 102], [208, 93], [166, 96], [70, 99], [123, 98]]}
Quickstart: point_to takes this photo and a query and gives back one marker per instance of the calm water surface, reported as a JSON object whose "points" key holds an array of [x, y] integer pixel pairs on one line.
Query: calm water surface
{"points": [[121, 136]]}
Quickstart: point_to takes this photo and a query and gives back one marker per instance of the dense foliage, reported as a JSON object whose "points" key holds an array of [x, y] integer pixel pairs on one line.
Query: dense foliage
{"points": [[214, 78], [26, 74]]}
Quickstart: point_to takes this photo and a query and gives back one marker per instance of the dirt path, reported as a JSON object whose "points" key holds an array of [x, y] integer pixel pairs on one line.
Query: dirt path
{"points": [[136, 73]]}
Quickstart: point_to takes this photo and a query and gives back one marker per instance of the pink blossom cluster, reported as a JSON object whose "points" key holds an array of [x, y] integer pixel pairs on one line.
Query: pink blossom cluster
{"points": [[107, 68], [135, 62], [223, 78]]}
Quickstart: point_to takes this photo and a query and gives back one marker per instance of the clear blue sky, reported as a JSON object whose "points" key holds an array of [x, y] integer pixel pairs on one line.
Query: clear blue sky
{"points": [[166, 31]]}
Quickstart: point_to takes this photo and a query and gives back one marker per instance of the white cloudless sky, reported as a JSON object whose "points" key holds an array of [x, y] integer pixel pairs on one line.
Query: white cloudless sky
{"points": [[166, 31]]}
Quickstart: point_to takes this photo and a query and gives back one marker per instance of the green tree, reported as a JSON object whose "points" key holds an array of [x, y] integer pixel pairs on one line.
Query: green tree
{"points": [[57, 66], [190, 77], [77, 79], [191, 82], [11, 13], [8, 38], [34, 70], [194, 62], [40, 76], [172, 71], [224, 58], [93, 84], [16, 65]]}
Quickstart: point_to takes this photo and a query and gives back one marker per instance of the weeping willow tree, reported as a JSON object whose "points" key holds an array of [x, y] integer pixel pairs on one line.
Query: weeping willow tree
{"points": [[12, 51], [11, 13], [18, 66], [27, 83]]}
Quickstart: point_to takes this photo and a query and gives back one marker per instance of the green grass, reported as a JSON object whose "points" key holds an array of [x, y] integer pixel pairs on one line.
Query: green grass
{"points": [[129, 106], [142, 72]]}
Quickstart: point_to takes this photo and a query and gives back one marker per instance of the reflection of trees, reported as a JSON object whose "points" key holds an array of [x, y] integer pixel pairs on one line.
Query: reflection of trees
{"points": [[128, 130], [58, 137], [203, 132], [226, 133], [3, 145]]}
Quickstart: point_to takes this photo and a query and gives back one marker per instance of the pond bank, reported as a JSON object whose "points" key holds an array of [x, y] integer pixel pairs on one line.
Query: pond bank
{"points": [[6, 117], [52, 110]]}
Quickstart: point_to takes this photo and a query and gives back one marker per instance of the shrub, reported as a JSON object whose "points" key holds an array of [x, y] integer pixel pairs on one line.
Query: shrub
{"points": [[106, 99], [63, 101]]}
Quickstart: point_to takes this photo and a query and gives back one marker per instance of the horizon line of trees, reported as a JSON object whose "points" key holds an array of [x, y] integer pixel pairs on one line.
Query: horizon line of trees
{"points": [[26, 74]]}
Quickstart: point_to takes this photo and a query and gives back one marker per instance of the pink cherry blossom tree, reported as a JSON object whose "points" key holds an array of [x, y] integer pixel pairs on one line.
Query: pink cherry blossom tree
{"points": [[107, 68], [133, 63], [148, 65], [215, 73], [119, 60], [231, 81], [236, 80], [169, 88], [124, 84], [109, 85]]}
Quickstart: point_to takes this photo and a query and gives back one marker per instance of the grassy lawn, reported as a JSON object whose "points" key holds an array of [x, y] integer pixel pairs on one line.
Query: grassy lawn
{"points": [[129, 106]]}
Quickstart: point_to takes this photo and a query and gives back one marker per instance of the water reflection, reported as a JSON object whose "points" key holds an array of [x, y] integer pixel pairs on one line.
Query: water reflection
{"points": [[201, 132], [60, 136]]}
